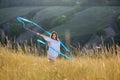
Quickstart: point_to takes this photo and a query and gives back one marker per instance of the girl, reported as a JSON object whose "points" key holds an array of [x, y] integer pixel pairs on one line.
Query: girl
{"points": [[54, 43]]}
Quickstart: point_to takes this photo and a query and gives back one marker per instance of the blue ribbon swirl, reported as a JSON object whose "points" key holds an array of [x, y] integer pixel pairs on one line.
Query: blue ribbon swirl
{"points": [[20, 19]]}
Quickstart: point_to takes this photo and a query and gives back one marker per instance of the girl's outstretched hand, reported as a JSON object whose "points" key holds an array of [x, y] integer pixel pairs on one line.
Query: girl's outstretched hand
{"points": [[38, 34]]}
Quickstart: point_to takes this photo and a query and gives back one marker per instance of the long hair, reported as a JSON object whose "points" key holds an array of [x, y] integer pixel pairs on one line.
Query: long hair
{"points": [[54, 32]]}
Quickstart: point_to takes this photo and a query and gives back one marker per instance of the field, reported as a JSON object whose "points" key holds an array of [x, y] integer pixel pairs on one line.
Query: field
{"points": [[75, 21], [15, 65]]}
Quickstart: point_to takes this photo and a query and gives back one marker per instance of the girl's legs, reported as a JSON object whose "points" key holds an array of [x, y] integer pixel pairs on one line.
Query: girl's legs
{"points": [[50, 60]]}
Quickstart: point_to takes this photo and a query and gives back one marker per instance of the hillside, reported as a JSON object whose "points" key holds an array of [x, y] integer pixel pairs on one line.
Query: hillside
{"points": [[6, 14], [80, 21], [88, 21], [16, 3]]}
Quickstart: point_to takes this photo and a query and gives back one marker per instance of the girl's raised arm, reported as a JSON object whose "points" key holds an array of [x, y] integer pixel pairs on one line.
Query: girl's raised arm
{"points": [[45, 37]]}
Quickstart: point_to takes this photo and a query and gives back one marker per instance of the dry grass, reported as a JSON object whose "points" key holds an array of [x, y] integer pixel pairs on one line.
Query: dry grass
{"points": [[18, 66]]}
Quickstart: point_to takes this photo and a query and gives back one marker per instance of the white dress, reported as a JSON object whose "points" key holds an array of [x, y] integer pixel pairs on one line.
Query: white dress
{"points": [[52, 54]]}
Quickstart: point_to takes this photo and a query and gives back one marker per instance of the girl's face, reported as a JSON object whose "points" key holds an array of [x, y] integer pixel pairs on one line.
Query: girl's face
{"points": [[54, 36]]}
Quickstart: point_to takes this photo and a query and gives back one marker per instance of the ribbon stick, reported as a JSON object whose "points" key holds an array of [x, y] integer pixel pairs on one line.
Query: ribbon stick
{"points": [[23, 20]]}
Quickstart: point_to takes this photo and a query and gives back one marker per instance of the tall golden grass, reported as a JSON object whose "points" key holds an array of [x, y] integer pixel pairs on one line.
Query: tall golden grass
{"points": [[15, 65]]}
